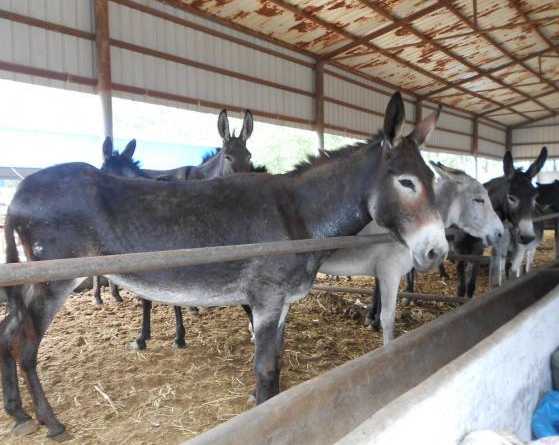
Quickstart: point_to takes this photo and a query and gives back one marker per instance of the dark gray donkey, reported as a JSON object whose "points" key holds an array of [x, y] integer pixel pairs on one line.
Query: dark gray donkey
{"points": [[514, 199], [75, 210], [233, 157]]}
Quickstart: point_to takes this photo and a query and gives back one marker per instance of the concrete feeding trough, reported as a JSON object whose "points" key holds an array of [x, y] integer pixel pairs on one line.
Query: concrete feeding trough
{"points": [[482, 366]]}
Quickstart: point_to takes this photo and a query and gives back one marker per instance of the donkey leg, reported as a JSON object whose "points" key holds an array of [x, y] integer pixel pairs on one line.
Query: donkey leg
{"points": [[97, 290], [266, 363], [41, 311], [45, 414], [373, 317], [145, 333], [410, 278], [248, 311], [472, 280], [461, 273], [389, 296], [443, 273], [180, 342], [530, 259], [10, 331], [115, 293]]}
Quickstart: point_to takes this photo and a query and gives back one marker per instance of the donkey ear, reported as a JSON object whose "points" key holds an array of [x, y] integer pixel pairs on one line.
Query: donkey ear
{"points": [[508, 167], [424, 128], [223, 125], [537, 165], [394, 117], [448, 172], [107, 148], [439, 168], [129, 150], [248, 125]]}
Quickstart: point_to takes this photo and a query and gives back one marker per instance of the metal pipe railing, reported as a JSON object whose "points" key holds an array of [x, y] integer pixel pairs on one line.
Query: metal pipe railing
{"points": [[410, 295], [68, 268], [546, 217]]}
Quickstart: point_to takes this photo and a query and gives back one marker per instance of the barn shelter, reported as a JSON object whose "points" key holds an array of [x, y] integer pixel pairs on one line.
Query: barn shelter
{"points": [[322, 70]]}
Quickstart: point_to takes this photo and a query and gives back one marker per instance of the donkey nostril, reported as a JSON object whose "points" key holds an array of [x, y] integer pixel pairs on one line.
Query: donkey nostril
{"points": [[432, 254]]}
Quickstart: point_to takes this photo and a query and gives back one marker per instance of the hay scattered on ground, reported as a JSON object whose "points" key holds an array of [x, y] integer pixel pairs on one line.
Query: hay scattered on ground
{"points": [[105, 393]]}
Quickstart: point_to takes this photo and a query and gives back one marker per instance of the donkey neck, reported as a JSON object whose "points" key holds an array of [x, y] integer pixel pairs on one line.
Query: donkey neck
{"points": [[213, 167], [331, 198], [445, 197]]}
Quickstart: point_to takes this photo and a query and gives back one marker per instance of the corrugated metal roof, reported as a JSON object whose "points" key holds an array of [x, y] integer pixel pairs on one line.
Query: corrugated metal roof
{"points": [[432, 52]]}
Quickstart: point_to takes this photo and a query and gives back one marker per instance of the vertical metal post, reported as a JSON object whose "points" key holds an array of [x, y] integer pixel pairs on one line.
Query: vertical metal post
{"points": [[104, 84], [319, 102]]}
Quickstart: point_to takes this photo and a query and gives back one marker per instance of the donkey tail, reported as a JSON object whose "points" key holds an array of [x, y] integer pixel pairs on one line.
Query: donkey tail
{"points": [[12, 255]]}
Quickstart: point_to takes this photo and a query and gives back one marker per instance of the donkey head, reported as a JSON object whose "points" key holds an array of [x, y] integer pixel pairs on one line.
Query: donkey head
{"points": [[120, 164], [514, 197], [405, 201], [548, 196], [469, 208], [235, 158]]}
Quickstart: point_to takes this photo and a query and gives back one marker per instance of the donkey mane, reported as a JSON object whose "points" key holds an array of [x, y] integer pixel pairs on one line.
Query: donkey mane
{"points": [[327, 156], [210, 154]]}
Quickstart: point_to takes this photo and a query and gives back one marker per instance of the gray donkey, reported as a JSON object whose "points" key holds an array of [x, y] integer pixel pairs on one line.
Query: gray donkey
{"points": [[513, 197], [233, 157], [462, 202], [75, 210]]}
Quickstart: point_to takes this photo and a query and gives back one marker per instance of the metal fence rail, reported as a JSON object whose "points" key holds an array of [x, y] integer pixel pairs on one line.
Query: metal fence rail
{"points": [[51, 270], [546, 217]]}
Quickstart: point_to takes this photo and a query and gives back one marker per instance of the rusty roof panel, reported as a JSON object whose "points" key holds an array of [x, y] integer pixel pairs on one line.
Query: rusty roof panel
{"points": [[466, 53], [527, 107], [552, 100], [548, 64], [350, 15], [270, 19], [468, 102], [424, 55], [534, 89]]}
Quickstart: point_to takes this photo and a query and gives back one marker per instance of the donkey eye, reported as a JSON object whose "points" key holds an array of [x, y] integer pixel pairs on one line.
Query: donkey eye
{"points": [[407, 184], [512, 199], [479, 200]]}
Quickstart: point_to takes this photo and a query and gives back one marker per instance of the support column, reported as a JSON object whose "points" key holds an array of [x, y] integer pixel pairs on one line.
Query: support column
{"points": [[475, 142], [104, 84], [319, 102]]}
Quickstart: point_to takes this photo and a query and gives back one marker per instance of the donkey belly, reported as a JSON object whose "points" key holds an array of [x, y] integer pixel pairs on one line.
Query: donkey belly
{"points": [[205, 285]]}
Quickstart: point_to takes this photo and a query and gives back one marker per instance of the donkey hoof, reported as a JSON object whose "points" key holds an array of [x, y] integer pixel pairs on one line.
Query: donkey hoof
{"points": [[59, 433], [137, 345], [180, 343], [25, 428]]}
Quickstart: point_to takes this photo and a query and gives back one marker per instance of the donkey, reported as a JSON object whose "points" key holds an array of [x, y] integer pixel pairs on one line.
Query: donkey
{"points": [[75, 210], [462, 202], [514, 198], [232, 158], [548, 196]]}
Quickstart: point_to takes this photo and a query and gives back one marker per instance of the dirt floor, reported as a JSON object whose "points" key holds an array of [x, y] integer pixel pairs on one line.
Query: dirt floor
{"points": [[105, 393]]}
